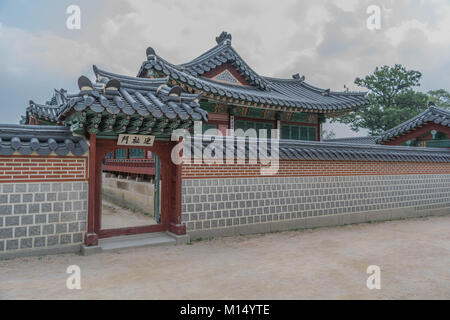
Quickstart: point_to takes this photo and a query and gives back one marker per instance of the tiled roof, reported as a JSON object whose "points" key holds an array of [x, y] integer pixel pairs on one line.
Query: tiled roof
{"points": [[431, 115], [26, 139], [357, 140], [295, 93], [222, 53], [308, 150], [147, 101]]}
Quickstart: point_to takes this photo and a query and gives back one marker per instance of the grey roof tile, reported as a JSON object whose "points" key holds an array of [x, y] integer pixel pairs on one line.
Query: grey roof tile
{"points": [[42, 139], [357, 140], [430, 115], [280, 92], [135, 96], [332, 151]]}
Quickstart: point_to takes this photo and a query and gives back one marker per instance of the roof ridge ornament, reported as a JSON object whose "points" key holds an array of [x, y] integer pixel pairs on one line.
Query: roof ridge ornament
{"points": [[151, 53], [297, 77], [431, 104], [84, 84], [175, 91], [326, 92], [112, 84], [224, 37]]}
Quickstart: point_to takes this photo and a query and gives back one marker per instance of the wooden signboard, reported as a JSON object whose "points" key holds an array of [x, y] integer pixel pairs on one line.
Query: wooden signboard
{"points": [[135, 140]]}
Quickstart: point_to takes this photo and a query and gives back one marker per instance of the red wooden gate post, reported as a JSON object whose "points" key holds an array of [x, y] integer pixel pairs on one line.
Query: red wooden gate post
{"points": [[175, 224], [91, 238]]}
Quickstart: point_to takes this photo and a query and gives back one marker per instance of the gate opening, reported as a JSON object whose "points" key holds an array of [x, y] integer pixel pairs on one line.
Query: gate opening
{"points": [[131, 184]]}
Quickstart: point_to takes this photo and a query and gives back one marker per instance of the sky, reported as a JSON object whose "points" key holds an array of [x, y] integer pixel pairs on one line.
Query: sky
{"points": [[326, 41]]}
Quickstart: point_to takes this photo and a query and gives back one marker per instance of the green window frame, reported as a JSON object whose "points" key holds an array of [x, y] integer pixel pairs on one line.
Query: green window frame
{"points": [[136, 153], [121, 154], [295, 132], [257, 125]]}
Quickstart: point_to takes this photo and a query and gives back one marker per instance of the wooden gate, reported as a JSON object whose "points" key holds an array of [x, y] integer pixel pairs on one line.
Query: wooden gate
{"points": [[170, 206]]}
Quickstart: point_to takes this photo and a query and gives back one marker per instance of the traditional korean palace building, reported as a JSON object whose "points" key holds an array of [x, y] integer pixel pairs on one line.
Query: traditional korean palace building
{"points": [[51, 165], [237, 97], [221, 82]]}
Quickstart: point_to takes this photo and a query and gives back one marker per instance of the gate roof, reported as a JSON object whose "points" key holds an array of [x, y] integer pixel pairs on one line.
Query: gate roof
{"points": [[117, 104]]}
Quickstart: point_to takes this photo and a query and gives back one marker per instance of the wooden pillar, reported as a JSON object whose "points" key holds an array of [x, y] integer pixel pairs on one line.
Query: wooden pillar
{"points": [[319, 126], [175, 224], [278, 125], [91, 238], [157, 185]]}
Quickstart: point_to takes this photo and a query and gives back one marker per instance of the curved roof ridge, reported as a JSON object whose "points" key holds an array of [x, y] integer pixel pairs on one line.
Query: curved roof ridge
{"points": [[111, 75], [301, 97], [203, 63], [218, 47], [312, 87], [34, 129]]}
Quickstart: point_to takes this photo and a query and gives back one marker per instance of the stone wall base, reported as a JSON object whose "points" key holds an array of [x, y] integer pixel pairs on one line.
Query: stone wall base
{"points": [[40, 252], [317, 222]]}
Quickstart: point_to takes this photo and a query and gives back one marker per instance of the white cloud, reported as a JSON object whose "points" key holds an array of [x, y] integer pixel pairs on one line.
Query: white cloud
{"points": [[22, 51]]}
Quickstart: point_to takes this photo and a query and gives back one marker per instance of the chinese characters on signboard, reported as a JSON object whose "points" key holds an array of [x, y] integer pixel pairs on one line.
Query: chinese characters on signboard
{"points": [[135, 140]]}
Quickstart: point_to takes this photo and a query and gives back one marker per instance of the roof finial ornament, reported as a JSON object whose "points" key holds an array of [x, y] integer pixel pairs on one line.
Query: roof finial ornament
{"points": [[150, 52], [297, 77], [175, 91], [113, 85], [224, 36], [326, 92], [85, 84], [431, 104]]}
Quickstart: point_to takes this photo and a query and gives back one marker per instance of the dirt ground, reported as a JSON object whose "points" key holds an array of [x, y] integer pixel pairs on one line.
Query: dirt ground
{"points": [[117, 217], [329, 263]]}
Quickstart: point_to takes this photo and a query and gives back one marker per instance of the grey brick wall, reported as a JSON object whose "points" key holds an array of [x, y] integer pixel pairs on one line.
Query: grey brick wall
{"points": [[214, 204], [42, 215]]}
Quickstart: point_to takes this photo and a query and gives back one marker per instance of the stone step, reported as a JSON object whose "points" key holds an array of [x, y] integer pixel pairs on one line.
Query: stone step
{"points": [[137, 241]]}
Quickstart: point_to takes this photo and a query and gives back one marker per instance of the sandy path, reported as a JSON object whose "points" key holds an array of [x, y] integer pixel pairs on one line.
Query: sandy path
{"points": [[116, 217], [414, 256]]}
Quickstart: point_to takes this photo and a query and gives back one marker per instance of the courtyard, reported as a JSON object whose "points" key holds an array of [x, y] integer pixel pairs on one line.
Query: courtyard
{"points": [[324, 263]]}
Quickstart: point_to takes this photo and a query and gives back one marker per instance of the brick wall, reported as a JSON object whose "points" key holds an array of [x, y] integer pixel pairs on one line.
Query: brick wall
{"points": [[236, 199], [32, 168], [305, 168], [43, 204]]}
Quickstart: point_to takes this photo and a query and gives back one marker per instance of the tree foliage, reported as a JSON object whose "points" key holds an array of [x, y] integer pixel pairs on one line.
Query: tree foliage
{"points": [[392, 99], [440, 98]]}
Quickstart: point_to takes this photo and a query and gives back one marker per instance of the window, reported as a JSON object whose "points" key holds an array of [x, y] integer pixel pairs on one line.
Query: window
{"points": [[121, 154], [136, 153], [294, 132], [257, 125]]}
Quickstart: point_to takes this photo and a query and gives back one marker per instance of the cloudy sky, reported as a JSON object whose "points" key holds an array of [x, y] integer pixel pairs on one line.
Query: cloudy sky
{"points": [[327, 41]]}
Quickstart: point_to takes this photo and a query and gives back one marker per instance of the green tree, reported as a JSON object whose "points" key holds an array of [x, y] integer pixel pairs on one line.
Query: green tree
{"points": [[392, 100], [440, 98], [327, 134]]}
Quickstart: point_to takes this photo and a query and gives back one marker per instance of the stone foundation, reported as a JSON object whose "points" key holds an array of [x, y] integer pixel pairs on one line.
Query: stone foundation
{"points": [[47, 217], [215, 207]]}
